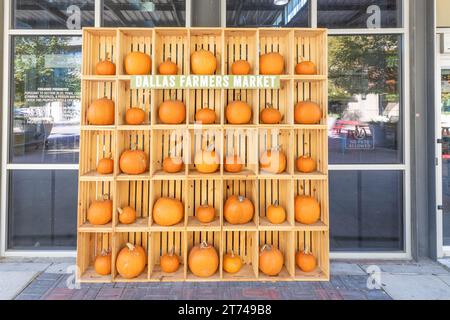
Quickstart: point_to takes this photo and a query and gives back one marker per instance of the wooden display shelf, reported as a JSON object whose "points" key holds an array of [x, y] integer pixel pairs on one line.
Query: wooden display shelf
{"points": [[159, 140]]}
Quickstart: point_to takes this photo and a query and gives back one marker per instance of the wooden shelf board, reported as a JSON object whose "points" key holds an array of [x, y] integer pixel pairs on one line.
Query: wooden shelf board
{"points": [[318, 226], [90, 276], [244, 174], [192, 277], [245, 274], [282, 276], [310, 176], [265, 225], [88, 227], [178, 227], [158, 275], [141, 225], [91, 77], [138, 177], [88, 127], [251, 226], [195, 225], [195, 174], [143, 277], [142, 127], [161, 175], [95, 176]]}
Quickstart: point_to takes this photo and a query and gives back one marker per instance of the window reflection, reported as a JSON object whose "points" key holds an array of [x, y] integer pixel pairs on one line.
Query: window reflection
{"points": [[46, 99], [365, 99]]}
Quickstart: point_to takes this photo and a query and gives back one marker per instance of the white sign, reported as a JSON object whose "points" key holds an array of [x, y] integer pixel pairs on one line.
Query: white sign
{"points": [[445, 43]]}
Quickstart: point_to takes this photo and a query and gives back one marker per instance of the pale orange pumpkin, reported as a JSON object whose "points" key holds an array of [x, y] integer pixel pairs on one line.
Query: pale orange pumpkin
{"points": [[307, 210], [232, 263], [306, 68], [271, 260], [105, 68], [205, 116], [168, 211], [127, 215], [276, 214], [306, 164], [101, 112], [172, 112], [169, 262], [203, 260], [203, 62], [205, 213], [238, 112], [102, 263], [172, 164], [240, 67], [105, 166], [133, 162], [138, 63], [307, 112], [131, 261], [233, 164], [134, 116], [168, 68], [271, 64], [238, 210], [270, 115], [100, 211], [305, 261], [206, 161], [273, 161]]}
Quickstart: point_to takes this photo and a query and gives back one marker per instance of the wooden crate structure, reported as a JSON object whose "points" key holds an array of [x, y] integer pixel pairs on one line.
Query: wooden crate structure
{"points": [[194, 189]]}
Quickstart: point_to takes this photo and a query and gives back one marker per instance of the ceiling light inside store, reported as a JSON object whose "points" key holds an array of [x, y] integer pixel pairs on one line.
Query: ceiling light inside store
{"points": [[147, 5], [280, 2]]}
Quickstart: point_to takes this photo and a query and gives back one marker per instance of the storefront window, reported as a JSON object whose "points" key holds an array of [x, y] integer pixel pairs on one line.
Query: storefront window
{"points": [[366, 210], [156, 13], [51, 14], [263, 13], [42, 209], [359, 14], [365, 107], [45, 99]]}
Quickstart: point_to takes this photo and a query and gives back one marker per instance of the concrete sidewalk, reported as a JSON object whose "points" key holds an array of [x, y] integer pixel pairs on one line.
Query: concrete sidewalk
{"points": [[47, 279]]}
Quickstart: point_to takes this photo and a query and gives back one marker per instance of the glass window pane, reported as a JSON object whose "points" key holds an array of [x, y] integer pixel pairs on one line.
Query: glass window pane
{"points": [[365, 105], [366, 210], [132, 13], [359, 14], [265, 13], [42, 210], [45, 99], [51, 14], [447, 229]]}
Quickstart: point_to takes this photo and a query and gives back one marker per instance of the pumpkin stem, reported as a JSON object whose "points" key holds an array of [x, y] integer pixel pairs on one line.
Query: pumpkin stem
{"points": [[210, 148], [104, 252], [232, 253], [204, 244], [241, 198], [266, 247], [205, 203], [107, 57], [120, 210], [269, 105], [171, 252], [130, 246], [275, 203], [105, 196]]}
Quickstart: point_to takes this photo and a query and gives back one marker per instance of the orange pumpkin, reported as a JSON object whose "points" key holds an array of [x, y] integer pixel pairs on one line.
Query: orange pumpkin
{"points": [[307, 112], [305, 164], [240, 67], [206, 161], [168, 211], [276, 214], [172, 164], [138, 63], [134, 116], [271, 260], [105, 166], [273, 161], [305, 261], [205, 213], [100, 212], [168, 68], [105, 68], [232, 263], [271, 64], [203, 260], [205, 116], [307, 210], [233, 164], [131, 261], [306, 68], [169, 262], [102, 263], [238, 210], [101, 112], [133, 162], [172, 112], [203, 62], [127, 215], [238, 112], [270, 115]]}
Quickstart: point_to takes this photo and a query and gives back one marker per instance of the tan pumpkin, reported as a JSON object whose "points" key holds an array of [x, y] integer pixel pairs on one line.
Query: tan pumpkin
{"points": [[271, 260], [271, 64], [306, 68], [203, 62], [100, 211], [238, 210], [232, 263], [168, 68], [205, 116], [101, 112], [102, 263], [203, 260], [273, 161], [306, 164], [206, 161], [233, 164], [134, 116], [270, 115], [138, 63], [238, 112], [168, 211], [105, 166], [205, 213], [305, 261], [172, 164], [127, 215], [172, 112], [133, 162], [240, 68], [307, 210], [276, 214], [131, 261], [169, 262], [105, 68], [307, 112]]}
